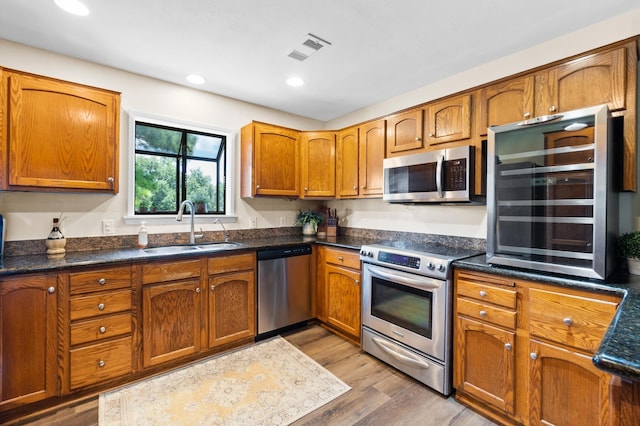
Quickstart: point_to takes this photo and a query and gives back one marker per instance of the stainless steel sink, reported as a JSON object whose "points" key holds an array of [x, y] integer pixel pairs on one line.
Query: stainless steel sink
{"points": [[200, 248]]}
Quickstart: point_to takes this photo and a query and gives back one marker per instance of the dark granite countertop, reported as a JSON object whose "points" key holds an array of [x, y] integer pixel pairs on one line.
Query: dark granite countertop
{"points": [[619, 351]]}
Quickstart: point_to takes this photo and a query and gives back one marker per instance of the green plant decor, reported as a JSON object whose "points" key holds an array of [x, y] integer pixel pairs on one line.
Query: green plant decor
{"points": [[309, 216], [629, 245]]}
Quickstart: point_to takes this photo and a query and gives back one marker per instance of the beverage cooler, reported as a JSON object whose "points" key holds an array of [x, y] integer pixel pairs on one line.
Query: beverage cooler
{"points": [[551, 201]]}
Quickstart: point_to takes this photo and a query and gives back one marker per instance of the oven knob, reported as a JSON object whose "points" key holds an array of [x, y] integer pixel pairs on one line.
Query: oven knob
{"points": [[431, 266], [441, 268]]}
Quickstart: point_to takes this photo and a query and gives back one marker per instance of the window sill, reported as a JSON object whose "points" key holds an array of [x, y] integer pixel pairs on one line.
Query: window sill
{"points": [[171, 219]]}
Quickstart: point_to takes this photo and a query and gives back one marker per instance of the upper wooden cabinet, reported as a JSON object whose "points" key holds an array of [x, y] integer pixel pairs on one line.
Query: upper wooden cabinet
{"points": [[372, 144], [448, 120], [505, 102], [57, 136], [270, 162], [318, 164], [347, 159], [404, 133]]}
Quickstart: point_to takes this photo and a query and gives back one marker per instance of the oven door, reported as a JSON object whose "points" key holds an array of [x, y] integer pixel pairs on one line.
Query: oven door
{"points": [[408, 308]]}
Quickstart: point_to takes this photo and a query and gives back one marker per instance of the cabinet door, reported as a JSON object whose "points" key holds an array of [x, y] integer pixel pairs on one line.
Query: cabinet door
{"points": [[484, 363], [449, 120], [592, 80], [505, 102], [404, 133], [232, 308], [170, 321], [566, 388], [348, 149], [62, 136], [270, 161], [372, 143], [318, 164], [342, 288], [28, 349]]}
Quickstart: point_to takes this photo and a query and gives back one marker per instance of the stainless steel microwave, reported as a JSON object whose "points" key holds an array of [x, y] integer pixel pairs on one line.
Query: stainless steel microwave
{"points": [[439, 176]]}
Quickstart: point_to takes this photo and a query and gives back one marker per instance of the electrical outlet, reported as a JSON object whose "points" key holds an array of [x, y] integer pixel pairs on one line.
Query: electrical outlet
{"points": [[108, 227], [253, 222], [283, 221]]}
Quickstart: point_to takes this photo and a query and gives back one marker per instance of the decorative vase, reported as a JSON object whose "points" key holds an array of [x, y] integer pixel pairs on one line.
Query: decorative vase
{"points": [[633, 264], [308, 229]]}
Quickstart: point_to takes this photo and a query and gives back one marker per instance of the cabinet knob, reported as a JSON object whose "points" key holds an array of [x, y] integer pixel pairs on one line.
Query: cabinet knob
{"points": [[355, 187], [213, 287], [51, 290], [101, 363], [110, 179], [483, 313], [483, 293], [306, 189], [533, 356], [257, 186], [526, 115], [101, 306], [362, 187], [198, 290], [417, 139], [357, 282], [102, 281], [431, 135], [552, 108], [567, 321], [103, 329], [340, 258], [507, 346]]}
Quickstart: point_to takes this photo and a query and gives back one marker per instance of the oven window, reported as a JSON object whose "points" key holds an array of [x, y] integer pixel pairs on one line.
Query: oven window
{"points": [[403, 306]]}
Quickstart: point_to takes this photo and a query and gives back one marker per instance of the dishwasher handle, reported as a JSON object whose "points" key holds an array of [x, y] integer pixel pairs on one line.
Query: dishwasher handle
{"points": [[282, 252]]}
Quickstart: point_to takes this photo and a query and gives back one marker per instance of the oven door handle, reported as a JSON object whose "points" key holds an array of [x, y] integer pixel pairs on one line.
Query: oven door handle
{"points": [[404, 358], [403, 279]]}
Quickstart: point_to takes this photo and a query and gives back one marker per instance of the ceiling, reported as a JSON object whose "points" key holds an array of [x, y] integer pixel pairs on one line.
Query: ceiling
{"points": [[379, 48]]}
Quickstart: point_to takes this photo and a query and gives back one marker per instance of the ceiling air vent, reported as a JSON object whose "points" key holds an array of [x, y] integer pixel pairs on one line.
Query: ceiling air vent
{"points": [[311, 45]]}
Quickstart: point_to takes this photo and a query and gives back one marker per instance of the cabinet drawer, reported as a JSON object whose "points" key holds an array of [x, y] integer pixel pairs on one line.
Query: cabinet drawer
{"points": [[100, 304], [100, 328], [220, 265], [100, 280], [349, 259], [96, 363], [161, 272], [576, 321], [486, 293], [488, 313]]}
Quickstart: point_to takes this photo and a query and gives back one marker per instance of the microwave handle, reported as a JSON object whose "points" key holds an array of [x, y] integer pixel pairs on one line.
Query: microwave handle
{"points": [[439, 176]]}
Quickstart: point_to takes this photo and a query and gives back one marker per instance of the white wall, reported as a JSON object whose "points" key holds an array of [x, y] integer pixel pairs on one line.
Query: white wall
{"points": [[29, 214]]}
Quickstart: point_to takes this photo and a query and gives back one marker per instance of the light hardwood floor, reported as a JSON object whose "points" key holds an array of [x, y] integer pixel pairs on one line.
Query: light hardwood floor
{"points": [[380, 395]]}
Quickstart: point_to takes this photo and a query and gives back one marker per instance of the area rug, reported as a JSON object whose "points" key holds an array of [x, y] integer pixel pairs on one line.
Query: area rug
{"points": [[269, 383]]}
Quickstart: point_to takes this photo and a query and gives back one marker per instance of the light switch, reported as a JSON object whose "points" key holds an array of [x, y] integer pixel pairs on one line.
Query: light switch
{"points": [[107, 227]]}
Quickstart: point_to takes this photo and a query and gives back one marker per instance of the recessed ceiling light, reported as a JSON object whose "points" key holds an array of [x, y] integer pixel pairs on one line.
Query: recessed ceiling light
{"points": [[295, 81], [195, 79], [74, 7]]}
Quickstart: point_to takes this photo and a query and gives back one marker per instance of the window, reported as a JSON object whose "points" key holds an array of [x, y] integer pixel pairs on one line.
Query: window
{"points": [[173, 162]]}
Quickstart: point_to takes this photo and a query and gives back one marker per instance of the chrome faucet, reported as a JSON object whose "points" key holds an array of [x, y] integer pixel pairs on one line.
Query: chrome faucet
{"points": [[192, 235], [226, 233]]}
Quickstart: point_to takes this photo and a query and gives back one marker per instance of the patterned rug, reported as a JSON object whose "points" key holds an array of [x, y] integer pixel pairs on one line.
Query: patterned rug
{"points": [[269, 383]]}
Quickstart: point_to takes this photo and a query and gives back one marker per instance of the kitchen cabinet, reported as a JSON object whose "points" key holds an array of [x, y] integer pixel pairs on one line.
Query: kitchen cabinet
{"points": [[30, 339], [171, 310], [270, 161], [57, 136], [338, 288], [318, 165], [232, 298], [101, 326], [523, 351], [505, 102], [360, 152], [448, 120], [404, 133]]}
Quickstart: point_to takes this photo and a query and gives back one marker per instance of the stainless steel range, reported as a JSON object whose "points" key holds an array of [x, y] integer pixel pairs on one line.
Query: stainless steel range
{"points": [[406, 308]]}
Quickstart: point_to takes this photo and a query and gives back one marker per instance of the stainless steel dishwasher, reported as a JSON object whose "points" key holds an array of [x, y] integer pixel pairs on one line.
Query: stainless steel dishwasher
{"points": [[284, 288]]}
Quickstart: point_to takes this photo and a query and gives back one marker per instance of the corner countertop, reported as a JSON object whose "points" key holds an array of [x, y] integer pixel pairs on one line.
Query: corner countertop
{"points": [[619, 351]]}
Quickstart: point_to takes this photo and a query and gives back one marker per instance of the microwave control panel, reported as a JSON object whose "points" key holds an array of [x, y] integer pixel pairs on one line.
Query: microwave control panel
{"points": [[455, 177]]}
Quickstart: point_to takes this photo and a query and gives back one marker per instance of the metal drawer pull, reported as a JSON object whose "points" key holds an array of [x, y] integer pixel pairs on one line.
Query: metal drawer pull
{"points": [[483, 313], [101, 363], [102, 281], [533, 356], [483, 293], [101, 306], [507, 346], [51, 290], [567, 321], [103, 329], [404, 357]]}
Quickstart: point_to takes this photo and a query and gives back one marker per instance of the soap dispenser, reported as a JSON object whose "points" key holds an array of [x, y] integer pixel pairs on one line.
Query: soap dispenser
{"points": [[143, 237]]}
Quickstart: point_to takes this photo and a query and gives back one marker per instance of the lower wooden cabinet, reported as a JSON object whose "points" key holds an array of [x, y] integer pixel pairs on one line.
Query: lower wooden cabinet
{"points": [[536, 367], [29, 339]]}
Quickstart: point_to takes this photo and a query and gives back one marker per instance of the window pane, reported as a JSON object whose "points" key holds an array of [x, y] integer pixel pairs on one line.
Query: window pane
{"points": [[156, 139], [155, 187], [203, 146], [202, 183]]}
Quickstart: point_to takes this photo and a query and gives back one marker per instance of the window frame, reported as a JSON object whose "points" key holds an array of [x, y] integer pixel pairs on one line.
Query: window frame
{"points": [[230, 174]]}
